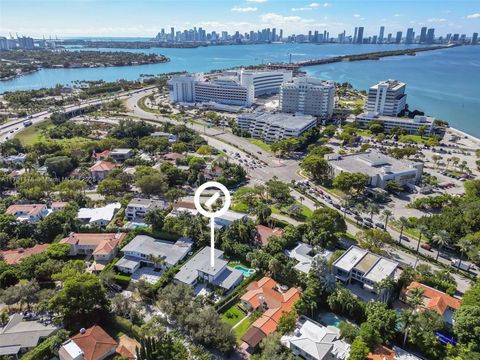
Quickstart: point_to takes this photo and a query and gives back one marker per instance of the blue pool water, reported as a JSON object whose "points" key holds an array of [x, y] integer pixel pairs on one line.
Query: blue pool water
{"points": [[330, 319], [246, 272]]}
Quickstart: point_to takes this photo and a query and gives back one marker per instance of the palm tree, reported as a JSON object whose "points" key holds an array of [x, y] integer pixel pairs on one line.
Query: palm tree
{"points": [[403, 222], [372, 209], [415, 297], [464, 245], [441, 238], [301, 199], [384, 289], [386, 215], [406, 319]]}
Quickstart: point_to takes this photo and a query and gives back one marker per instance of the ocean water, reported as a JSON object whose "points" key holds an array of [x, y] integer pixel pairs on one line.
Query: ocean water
{"points": [[443, 83]]}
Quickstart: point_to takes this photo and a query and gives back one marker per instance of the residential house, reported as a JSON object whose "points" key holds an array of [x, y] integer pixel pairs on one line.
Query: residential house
{"points": [[137, 208], [313, 341], [227, 218], [273, 300], [92, 344], [28, 212], [14, 159], [144, 250], [264, 233], [357, 265], [433, 299], [98, 216], [383, 353], [170, 137], [304, 254], [58, 205], [102, 155], [13, 257], [103, 247], [183, 206], [199, 267], [121, 154], [173, 157], [101, 169], [19, 336]]}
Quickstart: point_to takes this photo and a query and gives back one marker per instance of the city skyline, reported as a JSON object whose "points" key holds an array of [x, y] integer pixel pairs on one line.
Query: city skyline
{"points": [[116, 19]]}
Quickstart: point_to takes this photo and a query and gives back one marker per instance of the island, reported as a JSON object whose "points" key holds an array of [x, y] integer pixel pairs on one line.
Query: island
{"points": [[21, 62]]}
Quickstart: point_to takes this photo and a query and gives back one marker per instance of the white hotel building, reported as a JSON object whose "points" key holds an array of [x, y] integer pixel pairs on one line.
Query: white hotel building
{"points": [[309, 96], [237, 88], [411, 126], [386, 98], [273, 127]]}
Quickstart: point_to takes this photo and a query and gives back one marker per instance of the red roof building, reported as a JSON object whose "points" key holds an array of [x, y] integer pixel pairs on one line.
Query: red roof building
{"points": [[103, 247], [382, 353], [267, 296], [101, 169], [12, 257], [264, 233]]}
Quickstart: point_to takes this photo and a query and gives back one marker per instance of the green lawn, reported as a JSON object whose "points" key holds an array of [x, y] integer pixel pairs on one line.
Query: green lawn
{"points": [[233, 315], [239, 206], [241, 329], [306, 212], [34, 133], [260, 144]]}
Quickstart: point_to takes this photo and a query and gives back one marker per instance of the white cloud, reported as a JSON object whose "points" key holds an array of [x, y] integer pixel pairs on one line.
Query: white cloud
{"points": [[257, 1], [357, 15], [277, 19], [302, 9], [436, 20], [313, 5], [474, 16], [244, 9], [396, 15]]}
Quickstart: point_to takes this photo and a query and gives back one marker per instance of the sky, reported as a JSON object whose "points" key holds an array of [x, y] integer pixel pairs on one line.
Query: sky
{"points": [[145, 18]]}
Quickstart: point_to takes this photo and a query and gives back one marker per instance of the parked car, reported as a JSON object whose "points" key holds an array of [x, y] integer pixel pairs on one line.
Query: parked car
{"points": [[461, 264], [380, 225], [426, 246]]}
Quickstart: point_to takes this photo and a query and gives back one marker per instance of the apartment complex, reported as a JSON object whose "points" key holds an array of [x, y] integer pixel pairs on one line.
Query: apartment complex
{"points": [[309, 96], [380, 168], [264, 82], [386, 98], [360, 266], [137, 208], [272, 127], [411, 126]]}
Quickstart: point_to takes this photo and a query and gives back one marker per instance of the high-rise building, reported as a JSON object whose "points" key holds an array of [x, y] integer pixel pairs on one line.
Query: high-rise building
{"points": [[381, 35], [360, 35], [281, 34], [264, 82], [474, 38], [423, 35], [430, 36], [398, 38], [309, 96], [389, 38], [410, 36], [386, 98], [355, 35]]}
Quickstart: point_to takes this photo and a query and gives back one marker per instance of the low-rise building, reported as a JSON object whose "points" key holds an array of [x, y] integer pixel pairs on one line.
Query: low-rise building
{"points": [[103, 247], [28, 212], [227, 218], [13, 257], [144, 250], [19, 335], [92, 344], [137, 208], [411, 126], [170, 137], [273, 300], [101, 169], [273, 127], [121, 154], [378, 167], [199, 267], [433, 299], [305, 254], [357, 265], [100, 216], [264, 233], [313, 341]]}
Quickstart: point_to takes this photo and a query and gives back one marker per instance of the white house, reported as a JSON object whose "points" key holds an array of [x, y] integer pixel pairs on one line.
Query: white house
{"points": [[98, 216]]}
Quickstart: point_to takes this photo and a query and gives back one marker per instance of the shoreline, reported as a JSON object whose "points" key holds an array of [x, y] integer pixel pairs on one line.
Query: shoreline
{"points": [[464, 135]]}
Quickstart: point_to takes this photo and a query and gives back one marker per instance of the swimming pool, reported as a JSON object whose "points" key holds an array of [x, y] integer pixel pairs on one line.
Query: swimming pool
{"points": [[246, 272], [329, 319]]}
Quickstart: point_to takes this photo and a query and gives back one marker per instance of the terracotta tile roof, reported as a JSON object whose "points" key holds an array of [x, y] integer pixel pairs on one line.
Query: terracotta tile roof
{"points": [[264, 233], [184, 204], [434, 299], [104, 243], [103, 154], [95, 343], [382, 353], [276, 302], [59, 204], [29, 209], [123, 351], [13, 257], [173, 156], [253, 336], [102, 166]]}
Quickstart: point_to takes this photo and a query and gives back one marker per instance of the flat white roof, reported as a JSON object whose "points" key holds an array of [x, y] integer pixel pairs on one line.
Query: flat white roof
{"points": [[72, 349], [382, 269], [350, 258]]}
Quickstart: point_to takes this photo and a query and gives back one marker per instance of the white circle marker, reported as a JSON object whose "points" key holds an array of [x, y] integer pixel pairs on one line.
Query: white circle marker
{"points": [[212, 215]]}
